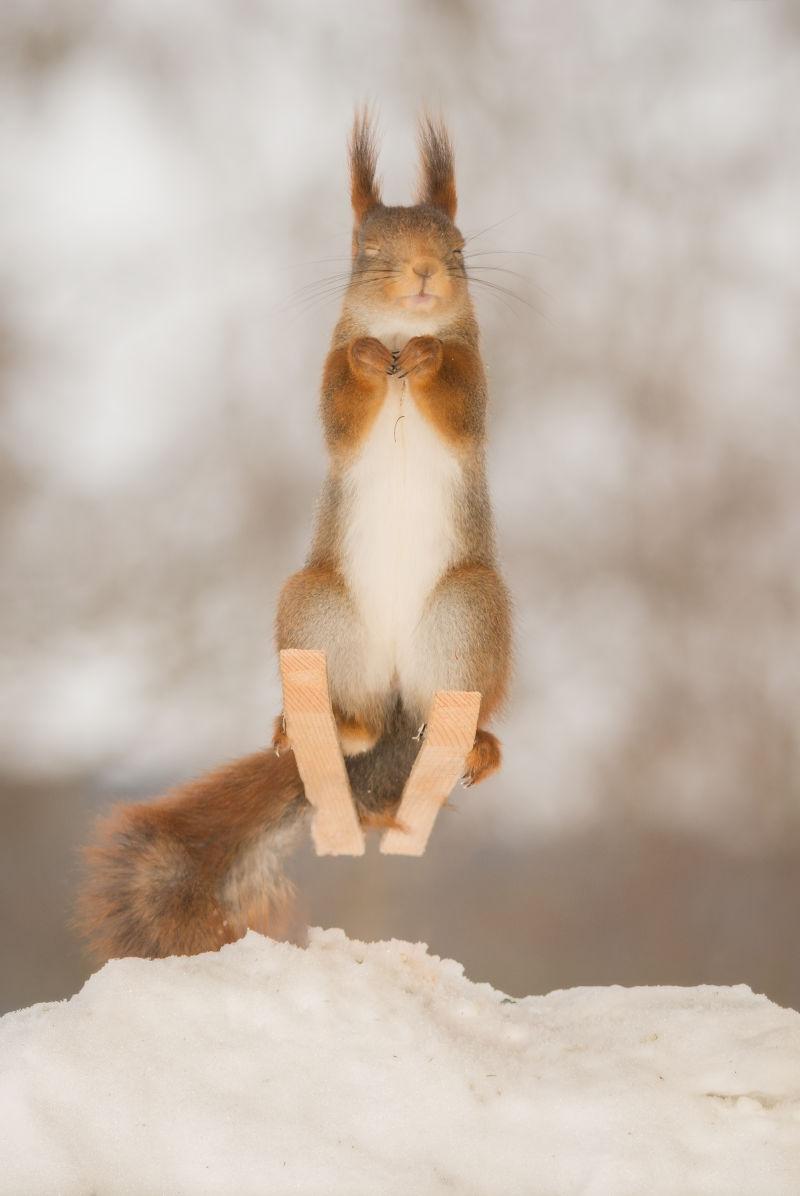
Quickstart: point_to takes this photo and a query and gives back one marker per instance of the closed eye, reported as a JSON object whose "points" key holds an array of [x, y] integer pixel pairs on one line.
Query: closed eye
{"points": [[372, 250]]}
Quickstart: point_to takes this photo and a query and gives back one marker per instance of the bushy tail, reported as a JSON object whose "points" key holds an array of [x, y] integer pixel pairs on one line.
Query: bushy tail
{"points": [[197, 867]]}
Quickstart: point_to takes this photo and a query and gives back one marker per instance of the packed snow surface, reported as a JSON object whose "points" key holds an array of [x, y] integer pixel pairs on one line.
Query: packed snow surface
{"points": [[377, 1068]]}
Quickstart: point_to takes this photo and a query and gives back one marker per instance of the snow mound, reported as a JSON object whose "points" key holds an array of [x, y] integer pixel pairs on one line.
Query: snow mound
{"points": [[378, 1068]]}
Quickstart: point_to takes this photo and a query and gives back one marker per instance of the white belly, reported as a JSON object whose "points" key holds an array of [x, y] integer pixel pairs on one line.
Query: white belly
{"points": [[400, 528]]}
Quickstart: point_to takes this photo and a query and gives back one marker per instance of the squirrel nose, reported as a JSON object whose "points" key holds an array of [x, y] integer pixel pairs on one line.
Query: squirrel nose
{"points": [[425, 268]]}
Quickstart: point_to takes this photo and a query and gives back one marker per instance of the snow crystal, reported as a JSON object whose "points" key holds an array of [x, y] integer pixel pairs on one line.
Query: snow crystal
{"points": [[378, 1068]]}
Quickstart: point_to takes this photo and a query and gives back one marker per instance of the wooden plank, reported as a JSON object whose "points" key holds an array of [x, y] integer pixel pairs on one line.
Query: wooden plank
{"points": [[311, 728], [449, 736]]}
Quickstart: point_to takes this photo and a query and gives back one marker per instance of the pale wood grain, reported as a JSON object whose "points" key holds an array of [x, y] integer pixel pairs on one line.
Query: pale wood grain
{"points": [[311, 729], [449, 736]]}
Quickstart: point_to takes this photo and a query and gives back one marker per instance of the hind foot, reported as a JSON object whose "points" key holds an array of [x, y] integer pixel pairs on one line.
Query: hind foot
{"points": [[483, 759], [355, 737]]}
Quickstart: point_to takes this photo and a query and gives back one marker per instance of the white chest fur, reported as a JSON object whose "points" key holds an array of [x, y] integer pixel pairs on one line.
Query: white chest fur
{"points": [[400, 526]]}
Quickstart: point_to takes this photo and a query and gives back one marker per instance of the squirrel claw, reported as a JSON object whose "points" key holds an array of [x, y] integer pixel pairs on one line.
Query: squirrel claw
{"points": [[280, 740], [420, 733]]}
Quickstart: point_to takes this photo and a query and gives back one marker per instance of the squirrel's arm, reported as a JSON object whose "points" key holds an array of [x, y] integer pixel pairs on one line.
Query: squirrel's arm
{"points": [[354, 385], [448, 385]]}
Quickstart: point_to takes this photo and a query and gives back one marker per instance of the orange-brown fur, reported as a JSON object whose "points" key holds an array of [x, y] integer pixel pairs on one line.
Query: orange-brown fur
{"points": [[158, 873], [446, 377], [363, 152], [196, 868], [483, 759], [355, 378], [437, 184], [393, 248]]}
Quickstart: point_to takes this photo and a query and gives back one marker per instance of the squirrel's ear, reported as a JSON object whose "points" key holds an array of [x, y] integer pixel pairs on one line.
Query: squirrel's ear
{"points": [[364, 190], [437, 185]]}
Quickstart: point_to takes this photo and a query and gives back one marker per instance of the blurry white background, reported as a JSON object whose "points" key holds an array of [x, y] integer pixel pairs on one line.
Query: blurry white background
{"points": [[172, 191]]}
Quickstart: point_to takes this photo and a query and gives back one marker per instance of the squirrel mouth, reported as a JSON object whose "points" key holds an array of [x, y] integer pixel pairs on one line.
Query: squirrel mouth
{"points": [[419, 299]]}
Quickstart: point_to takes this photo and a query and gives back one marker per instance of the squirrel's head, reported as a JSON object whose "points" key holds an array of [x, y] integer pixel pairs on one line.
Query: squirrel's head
{"points": [[407, 262]]}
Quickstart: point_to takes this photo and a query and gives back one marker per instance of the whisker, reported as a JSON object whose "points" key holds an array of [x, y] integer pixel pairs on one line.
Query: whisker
{"points": [[321, 261], [305, 265], [327, 292], [503, 270], [516, 274], [346, 277], [319, 282], [494, 292], [489, 227], [321, 289], [339, 288], [504, 303], [513, 252], [495, 286], [308, 305]]}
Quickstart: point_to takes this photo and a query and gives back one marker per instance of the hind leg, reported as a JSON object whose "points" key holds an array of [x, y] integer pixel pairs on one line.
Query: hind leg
{"points": [[462, 641], [354, 737], [484, 758], [315, 610]]}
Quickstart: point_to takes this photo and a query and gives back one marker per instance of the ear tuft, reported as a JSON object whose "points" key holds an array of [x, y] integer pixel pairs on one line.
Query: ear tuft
{"points": [[364, 190], [437, 168]]}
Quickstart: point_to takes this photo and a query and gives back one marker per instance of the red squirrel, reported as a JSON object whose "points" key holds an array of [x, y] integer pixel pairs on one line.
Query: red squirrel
{"points": [[400, 589]]}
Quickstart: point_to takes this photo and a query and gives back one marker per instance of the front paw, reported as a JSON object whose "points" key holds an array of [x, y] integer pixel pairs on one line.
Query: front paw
{"points": [[422, 355], [369, 356]]}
